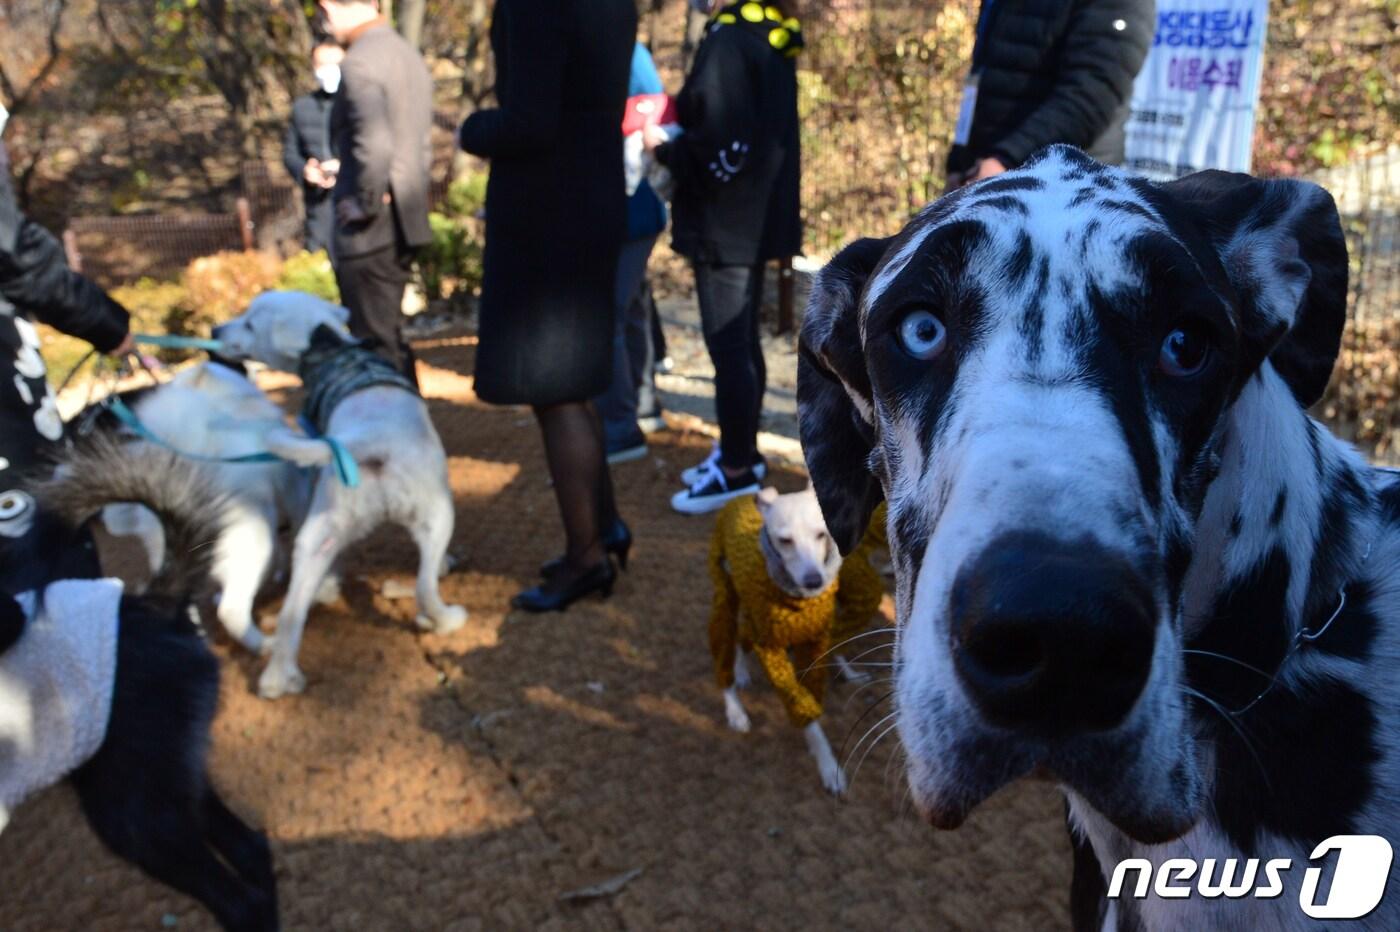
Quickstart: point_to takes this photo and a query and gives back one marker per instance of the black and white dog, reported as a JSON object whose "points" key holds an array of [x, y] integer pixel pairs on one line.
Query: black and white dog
{"points": [[1126, 558], [146, 706]]}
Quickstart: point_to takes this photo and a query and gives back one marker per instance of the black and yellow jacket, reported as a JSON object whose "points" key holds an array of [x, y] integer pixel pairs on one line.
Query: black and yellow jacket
{"points": [[737, 166]]}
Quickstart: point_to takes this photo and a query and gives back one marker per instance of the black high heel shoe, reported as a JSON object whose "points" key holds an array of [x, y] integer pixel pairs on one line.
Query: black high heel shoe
{"points": [[549, 597], [617, 540]]}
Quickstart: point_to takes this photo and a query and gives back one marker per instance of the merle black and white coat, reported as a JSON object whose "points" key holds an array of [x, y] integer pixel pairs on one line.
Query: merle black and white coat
{"points": [[1126, 558]]}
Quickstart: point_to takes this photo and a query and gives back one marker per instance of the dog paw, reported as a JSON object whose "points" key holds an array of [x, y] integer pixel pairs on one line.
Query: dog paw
{"points": [[452, 618], [734, 712], [328, 593], [276, 682], [254, 640], [833, 779]]}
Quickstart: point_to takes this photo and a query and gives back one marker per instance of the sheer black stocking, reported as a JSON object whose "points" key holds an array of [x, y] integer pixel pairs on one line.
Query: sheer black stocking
{"points": [[575, 452]]}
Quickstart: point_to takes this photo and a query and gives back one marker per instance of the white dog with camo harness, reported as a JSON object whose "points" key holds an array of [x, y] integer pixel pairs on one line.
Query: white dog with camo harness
{"points": [[359, 401]]}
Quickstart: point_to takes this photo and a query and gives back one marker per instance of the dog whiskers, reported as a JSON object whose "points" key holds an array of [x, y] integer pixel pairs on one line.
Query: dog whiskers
{"points": [[856, 724], [1238, 728], [881, 681], [851, 640], [878, 738], [1227, 659]]}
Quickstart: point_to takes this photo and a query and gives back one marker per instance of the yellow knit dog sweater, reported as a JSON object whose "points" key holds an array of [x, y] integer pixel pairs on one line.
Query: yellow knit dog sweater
{"points": [[753, 612]]}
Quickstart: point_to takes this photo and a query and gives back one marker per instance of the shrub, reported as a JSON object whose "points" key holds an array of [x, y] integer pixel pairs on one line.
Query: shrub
{"points": [[450, 265], [221, 286], [310, 272], [466, 196]]}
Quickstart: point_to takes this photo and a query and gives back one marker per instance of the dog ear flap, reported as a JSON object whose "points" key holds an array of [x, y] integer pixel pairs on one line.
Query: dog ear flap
{"points": [[835, 404], [12, 621], [1281, 244]]}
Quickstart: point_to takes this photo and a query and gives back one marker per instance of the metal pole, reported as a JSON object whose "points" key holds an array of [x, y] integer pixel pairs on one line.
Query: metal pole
{"points": [[245, 223], [70, 248]]}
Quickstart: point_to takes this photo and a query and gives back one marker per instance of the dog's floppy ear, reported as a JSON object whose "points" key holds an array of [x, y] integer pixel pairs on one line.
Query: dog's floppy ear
{"points": [[12, 621], [835, 405], [1281, 244]]}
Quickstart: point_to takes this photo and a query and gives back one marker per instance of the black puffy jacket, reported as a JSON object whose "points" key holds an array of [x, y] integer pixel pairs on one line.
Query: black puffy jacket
{"points": [[36, 284], [1055, 71], [737, 166]]}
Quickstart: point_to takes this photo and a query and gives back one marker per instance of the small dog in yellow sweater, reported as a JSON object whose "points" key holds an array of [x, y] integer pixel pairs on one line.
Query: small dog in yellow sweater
{"points": [[781, 591]]}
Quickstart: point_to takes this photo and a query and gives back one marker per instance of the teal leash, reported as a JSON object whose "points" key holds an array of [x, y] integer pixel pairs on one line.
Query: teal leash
{"points": [[346, 469], [168, 341]]}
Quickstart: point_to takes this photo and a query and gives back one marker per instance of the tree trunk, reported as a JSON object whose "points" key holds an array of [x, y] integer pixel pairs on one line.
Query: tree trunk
{"points": [[411, 14]]}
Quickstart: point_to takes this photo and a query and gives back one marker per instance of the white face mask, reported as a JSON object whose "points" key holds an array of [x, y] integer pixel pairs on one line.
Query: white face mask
{"points": [[328, 76]]}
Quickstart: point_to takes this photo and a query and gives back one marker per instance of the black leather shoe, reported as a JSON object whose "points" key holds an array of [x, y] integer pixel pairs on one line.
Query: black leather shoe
{"points": [[617, 540], [556, 594]]}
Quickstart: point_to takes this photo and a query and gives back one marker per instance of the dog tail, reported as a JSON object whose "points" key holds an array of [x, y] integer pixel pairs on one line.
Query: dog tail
{"points": [[102, 471], [295, 448]]}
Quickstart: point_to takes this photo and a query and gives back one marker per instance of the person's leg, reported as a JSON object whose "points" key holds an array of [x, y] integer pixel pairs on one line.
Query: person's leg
{"points": [[642, 350], [320, 223], [574, 450], [618, 404], [754, 305], [723, 292], [371, 287], [659, 353]]}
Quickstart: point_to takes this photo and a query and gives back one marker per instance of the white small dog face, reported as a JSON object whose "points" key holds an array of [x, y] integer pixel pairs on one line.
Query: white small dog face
{"points": [[276, 329], [801, 556]]}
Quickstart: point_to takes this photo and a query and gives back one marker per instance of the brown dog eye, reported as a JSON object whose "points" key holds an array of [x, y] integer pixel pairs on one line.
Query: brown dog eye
{"points": [[1185, 352]]}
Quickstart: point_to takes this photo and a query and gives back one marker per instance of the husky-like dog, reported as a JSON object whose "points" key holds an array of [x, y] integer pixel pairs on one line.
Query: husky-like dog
{"points": [[122, 688], [212, 411], [384, 425], [1126, 558]]}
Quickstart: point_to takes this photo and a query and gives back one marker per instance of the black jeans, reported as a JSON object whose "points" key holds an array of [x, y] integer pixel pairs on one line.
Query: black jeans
{"points": [[729, 298], [372, 286]]}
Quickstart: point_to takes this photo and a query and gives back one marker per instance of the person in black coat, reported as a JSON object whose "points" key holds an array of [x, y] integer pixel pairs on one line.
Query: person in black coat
{"points": [[1050, 71], [555, 220], [737, 174], [36, 284], [306, 147]]}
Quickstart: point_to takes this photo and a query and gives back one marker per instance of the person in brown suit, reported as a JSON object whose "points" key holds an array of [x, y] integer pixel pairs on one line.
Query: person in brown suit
{"points": [[379, 131]]}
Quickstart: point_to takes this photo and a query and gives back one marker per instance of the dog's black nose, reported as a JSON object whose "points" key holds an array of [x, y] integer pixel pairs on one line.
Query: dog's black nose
{"points": [[1050, 636], [812, 580]]}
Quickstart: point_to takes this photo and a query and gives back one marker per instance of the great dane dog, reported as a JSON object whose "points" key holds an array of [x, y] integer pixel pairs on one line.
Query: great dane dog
{"points": [[1126, 558]]}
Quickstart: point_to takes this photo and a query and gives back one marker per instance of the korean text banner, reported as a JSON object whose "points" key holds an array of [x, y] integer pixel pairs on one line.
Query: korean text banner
{"points": [[1195, 99]]}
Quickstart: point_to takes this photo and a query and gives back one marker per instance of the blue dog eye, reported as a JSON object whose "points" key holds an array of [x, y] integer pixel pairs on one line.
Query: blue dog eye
{"points": [[922, 335]]}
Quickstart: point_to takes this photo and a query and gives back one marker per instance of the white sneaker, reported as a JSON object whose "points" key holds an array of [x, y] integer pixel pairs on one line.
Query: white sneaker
{"points": [[697, 472], [713, 490]]}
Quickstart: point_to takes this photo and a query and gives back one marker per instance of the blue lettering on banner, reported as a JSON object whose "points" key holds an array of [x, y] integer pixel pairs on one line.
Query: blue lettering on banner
{"points": [[1204, 29], [1188, 74]]}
